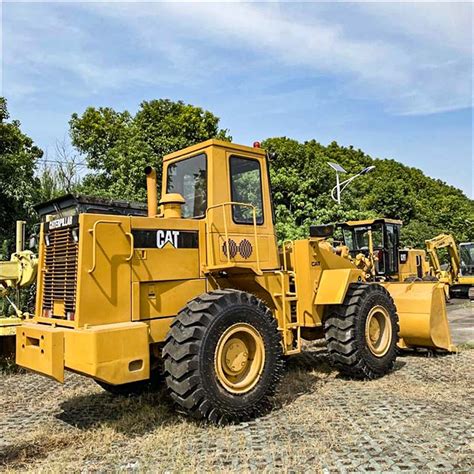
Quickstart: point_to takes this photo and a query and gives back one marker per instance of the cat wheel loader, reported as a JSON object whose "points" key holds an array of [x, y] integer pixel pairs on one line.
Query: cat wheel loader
{"points": [[200, 287], [374, 245]]}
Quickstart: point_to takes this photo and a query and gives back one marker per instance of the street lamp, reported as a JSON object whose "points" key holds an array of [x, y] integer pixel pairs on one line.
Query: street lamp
{"points": [[337, 190]]}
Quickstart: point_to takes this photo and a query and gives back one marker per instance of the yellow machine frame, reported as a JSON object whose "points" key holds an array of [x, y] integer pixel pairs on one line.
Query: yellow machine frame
{"points": [[109, 287]]}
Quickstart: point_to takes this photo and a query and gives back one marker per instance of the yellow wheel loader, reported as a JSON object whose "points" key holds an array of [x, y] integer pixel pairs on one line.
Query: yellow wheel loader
{"points": [[201, 287], [374, 245]]}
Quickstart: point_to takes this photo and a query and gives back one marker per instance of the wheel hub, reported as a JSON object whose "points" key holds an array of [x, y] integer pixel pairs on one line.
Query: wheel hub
{"points": [[236, 356], [378, 331], [239, 358]]}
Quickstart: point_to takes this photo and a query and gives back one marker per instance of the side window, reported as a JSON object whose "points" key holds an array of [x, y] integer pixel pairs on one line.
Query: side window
{"points": [[246, 187], [189, 178]]}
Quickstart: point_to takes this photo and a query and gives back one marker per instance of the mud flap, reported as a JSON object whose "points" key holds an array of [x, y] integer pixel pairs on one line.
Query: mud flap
{"points": [[41, 348], [421, 308]]}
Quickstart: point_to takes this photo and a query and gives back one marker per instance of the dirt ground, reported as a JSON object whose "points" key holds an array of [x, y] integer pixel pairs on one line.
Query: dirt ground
{"points": [[419, 417]]}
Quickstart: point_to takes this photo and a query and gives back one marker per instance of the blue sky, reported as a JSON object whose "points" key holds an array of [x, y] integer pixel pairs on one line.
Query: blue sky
{"points": [[394, 79]]}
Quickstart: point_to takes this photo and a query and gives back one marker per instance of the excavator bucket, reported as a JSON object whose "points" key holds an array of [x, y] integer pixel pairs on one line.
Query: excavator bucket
{"points": [[421, 308]]}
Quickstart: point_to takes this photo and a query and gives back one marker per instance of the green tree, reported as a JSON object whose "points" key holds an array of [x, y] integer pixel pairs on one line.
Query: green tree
{"points": [[18, 184], [302, 182], [59, 175], [118, 145]]}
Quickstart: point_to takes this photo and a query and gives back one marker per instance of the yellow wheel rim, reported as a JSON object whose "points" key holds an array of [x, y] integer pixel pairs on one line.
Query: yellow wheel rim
{"points": [[378, 331], [239, 358]]}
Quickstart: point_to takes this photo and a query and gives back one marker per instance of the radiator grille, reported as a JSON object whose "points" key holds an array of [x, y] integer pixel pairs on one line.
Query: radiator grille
{"points": [[60, 276]]}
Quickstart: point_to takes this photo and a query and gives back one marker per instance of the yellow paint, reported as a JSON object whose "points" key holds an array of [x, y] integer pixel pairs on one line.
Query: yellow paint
{"points": [[114, 353], [41, 348], [333, 286], [422, 313], [415, 266], [166, 298]]}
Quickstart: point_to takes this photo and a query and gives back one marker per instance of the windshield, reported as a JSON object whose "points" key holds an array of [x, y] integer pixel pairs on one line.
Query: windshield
{"points": [[467, 258], [358, 238], [189, 178]]}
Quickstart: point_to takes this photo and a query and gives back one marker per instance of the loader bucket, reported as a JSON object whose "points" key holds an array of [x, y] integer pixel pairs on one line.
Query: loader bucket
{"points": [[421, 308]]}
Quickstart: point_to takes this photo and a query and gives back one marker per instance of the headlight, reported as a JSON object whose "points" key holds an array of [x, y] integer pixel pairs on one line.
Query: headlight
{"points": [[75, 234], [46, 240]]}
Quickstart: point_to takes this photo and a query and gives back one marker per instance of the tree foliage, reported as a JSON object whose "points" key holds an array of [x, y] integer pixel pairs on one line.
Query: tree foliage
{"points": [[118, 145], [18, 184], [302, 182]]}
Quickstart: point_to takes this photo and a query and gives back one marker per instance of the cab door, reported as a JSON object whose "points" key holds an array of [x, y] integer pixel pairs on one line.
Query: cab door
{"points": [[240, 218]]}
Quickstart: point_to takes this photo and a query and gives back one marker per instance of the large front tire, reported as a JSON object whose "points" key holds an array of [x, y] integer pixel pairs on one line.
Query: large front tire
{"points": [[223, 357], [362, 333]]}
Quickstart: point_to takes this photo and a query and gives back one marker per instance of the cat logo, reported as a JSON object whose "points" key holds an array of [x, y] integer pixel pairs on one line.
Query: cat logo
{"points": [[164, 237]]}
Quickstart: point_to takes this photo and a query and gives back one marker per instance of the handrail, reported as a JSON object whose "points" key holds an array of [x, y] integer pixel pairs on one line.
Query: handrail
{"points": [[226, 232], [132, 245], [94, 241]]}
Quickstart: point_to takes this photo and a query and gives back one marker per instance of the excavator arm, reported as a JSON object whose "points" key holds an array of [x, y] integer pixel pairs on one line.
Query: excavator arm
{"points": [[439, 242]]}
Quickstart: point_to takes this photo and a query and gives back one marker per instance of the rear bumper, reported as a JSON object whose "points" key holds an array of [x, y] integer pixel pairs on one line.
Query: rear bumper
{"points": [[113, 353]]}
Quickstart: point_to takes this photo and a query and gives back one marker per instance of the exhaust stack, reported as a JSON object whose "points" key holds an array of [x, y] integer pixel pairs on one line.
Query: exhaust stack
{"points": [[152, 198]]}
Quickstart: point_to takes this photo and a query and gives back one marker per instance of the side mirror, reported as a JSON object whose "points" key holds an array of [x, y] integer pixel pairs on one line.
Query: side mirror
{"points": [[33, 242]]}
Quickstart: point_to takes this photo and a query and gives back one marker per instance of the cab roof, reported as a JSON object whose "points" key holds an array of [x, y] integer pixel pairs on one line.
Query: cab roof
{"points": [[365, 222], [215, 143]]}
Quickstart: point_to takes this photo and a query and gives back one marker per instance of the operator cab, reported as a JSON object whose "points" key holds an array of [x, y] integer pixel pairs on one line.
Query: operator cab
{"points": [[466, 252], [383, 235], [225, 188]]}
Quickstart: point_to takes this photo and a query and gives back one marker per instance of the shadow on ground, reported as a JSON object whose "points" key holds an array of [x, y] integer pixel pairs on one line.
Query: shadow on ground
{"points": [[133, 415], [137, 415]]}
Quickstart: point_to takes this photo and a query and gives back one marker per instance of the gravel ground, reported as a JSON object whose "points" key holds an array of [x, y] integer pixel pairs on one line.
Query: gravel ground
{"points": [[418, 418]]}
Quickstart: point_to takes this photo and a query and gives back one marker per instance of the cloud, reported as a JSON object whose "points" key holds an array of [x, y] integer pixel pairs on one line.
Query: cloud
{"points": [[413, 58]]}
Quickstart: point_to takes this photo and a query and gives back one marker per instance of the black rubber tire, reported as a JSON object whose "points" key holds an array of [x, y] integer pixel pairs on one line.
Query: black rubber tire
{"points": [[190, 350], [344, 332], [430, 278]]}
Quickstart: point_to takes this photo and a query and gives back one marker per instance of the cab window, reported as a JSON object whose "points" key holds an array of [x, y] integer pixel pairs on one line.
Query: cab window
{"points": [[246, 187], [189, 178]]}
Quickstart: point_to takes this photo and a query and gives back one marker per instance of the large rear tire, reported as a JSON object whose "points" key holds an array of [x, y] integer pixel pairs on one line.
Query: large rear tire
{"points": [[362, 333], [223, 357]]}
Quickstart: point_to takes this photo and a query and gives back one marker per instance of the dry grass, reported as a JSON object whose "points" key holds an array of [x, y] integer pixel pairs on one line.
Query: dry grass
{"points": [[85, 429]]}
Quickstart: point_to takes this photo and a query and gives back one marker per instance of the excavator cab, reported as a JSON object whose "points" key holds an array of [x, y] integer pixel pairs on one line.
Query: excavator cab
{"points": [[466, 252]]}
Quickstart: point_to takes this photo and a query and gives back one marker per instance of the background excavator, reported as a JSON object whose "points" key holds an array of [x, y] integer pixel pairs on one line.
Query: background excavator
{"points": [[459, 273]]}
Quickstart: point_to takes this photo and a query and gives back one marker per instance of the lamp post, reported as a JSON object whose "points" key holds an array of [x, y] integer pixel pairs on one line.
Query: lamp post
{"points": [[340, 186]]}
